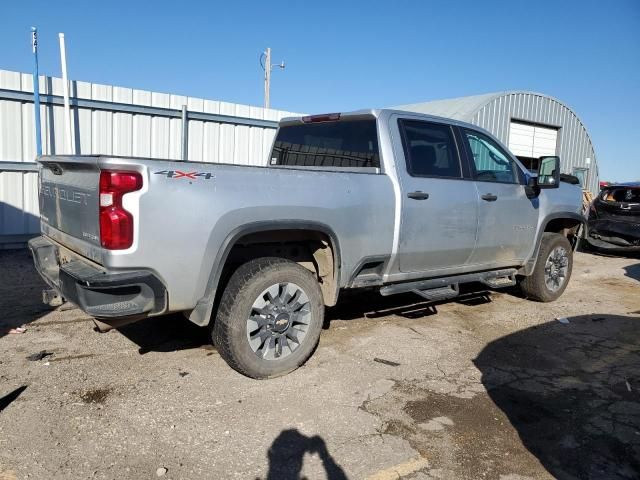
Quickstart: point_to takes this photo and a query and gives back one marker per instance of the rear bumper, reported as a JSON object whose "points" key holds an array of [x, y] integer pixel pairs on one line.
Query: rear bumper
{"points": [[100, 293]]}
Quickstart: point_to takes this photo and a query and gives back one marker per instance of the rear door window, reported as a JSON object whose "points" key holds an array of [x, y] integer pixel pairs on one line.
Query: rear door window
{"points": [[429, 149], [344, 143]]}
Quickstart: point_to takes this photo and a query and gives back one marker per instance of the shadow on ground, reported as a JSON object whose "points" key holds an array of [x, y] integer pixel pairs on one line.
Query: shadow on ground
{"points": [[633, 271], [6, 400], [166, 333], [20, 290], [572, 392], [286, 456], [372, 305], [174, 332]]}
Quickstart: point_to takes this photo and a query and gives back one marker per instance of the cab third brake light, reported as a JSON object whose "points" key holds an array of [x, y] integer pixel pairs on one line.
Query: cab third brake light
{"points": [[325, 117]]}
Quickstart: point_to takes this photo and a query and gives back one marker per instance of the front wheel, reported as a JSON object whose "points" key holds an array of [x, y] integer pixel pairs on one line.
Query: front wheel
{"points": [[552, 271], [270, 317]]}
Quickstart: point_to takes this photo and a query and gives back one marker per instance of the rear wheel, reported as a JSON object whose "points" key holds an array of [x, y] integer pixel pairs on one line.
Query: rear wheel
{"points": [[270, 317], [552, 271]]}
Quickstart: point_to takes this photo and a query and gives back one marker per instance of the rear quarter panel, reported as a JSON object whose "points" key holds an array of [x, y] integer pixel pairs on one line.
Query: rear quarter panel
{"points": [[184, 221]]}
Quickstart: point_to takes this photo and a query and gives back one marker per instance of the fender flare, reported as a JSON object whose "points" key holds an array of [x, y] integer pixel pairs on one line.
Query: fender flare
{"points": [[201, 314], [530, 265]]}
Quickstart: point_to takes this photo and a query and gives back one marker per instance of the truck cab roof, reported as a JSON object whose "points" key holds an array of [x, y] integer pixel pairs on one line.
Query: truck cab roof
{"points": [[375, 112]]}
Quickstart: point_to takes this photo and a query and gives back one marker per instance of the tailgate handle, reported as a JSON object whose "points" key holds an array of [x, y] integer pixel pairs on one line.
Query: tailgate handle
{"points": [[54, 167], [418, 195]]}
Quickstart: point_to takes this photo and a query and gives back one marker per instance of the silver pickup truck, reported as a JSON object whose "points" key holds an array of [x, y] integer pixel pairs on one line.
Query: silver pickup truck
{"points": [[378, 199]]}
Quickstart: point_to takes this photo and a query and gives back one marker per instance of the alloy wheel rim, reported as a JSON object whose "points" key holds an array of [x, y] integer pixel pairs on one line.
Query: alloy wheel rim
{"points": [[278, 321], [556, 268]]}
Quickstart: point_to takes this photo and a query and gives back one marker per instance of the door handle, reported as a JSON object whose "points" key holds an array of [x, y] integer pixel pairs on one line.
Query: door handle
{"points": [[489, 197], [418, 195]]}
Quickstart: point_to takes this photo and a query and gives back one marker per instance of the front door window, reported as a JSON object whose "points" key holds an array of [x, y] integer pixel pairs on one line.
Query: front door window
{"points": [[491, 163]]}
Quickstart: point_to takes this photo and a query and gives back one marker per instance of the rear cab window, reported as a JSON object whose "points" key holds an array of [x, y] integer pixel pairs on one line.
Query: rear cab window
{"points": [[351, 143]]}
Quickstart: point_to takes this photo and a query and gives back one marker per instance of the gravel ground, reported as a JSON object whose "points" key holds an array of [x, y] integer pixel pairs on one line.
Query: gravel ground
{"points": [[489, 386]]}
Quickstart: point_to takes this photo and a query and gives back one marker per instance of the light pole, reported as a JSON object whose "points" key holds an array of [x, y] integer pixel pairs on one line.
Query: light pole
{"points": [[266, 66]]}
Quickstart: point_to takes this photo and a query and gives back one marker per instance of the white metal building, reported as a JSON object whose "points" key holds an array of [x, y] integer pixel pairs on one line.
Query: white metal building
{"points": [[530, 124], [114, 121]]}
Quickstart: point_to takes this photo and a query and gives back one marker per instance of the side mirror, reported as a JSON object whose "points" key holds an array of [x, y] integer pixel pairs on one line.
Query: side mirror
{"points": [[549, 172]]}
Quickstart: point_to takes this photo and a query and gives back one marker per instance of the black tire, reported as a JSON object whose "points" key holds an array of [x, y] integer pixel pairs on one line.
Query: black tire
{"points": [[535, 286], [230, 330]]}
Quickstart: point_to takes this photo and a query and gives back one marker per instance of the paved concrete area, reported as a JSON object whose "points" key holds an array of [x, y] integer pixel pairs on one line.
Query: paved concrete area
{"points": [[490, 386]]}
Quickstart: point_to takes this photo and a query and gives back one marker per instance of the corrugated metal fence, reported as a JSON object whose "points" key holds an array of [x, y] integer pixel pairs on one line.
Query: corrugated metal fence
{"points": [[113, 120]]}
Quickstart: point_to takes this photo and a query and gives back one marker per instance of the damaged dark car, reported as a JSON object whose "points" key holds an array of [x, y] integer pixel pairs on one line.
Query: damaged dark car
{"points": [[614, 218]]}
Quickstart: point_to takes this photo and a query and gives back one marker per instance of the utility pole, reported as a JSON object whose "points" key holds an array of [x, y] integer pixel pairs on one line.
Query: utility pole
{"points": [[267, 75]]}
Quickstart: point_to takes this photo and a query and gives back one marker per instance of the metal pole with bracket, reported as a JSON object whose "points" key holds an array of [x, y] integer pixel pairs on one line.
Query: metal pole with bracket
{"points": [[36, 91], [185, 134]]}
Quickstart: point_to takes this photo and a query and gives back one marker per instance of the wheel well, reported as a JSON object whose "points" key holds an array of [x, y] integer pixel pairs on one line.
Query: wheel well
{"points": [[311, 249], [564, 226]]}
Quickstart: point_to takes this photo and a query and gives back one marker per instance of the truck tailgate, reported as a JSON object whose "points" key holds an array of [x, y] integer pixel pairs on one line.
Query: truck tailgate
{"points": [[69, 196]]}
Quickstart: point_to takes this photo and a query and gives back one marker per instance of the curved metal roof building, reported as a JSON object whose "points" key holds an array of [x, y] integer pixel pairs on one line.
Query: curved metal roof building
{"points": [[531, 124]]}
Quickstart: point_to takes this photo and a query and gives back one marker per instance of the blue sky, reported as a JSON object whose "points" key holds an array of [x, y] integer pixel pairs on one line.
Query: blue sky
{"points": [[343, 55]]}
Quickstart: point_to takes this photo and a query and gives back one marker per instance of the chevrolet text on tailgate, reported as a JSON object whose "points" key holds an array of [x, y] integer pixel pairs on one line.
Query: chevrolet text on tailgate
{"points": [[377, 199]]}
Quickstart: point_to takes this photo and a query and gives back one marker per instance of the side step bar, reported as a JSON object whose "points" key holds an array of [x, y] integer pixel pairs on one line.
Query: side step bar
{"points": [[447, 287], [439, 293]]}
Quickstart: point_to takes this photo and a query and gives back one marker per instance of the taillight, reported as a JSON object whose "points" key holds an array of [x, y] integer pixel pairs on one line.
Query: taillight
{"points": [[116, 223]]}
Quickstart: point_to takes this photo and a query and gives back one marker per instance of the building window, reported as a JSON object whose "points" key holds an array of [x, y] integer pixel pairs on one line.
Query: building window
{"points": [[582, 174]]}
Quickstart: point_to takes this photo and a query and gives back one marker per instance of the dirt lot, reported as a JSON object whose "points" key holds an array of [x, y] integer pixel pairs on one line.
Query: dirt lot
{"points": [[490, 386]]}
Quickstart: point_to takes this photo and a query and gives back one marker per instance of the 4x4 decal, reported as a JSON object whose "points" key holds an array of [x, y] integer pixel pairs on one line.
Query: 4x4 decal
{"points": [[189, 175]]}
